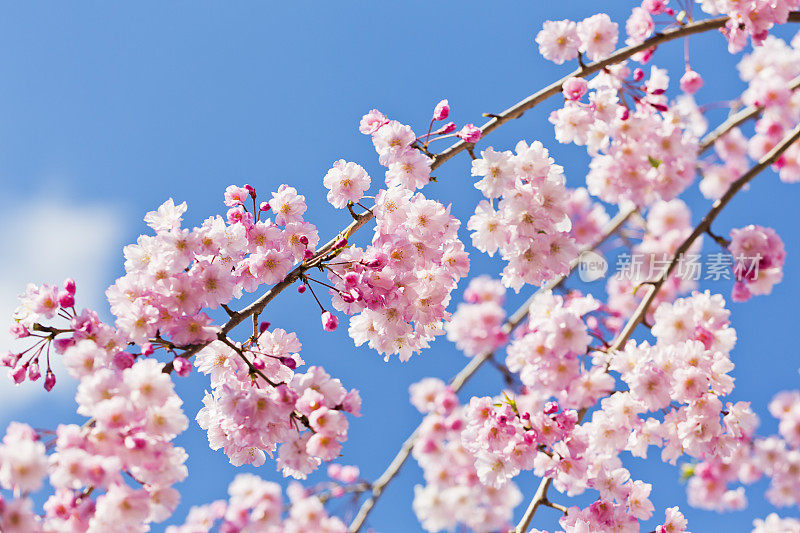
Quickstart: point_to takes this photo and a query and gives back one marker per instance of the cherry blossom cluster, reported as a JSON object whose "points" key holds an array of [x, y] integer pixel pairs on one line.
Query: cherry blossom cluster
{"points": [[749, 19], [769, 71], [397, 288], [530, 226], [171, 276], [453, 493], [124, 455], [641, 152], [257, 505], [477, 325], [667, 226], [604, 515], [548, 352], [562, 40], [40, 304], [258, 401], [758, 255], [588, 216]]}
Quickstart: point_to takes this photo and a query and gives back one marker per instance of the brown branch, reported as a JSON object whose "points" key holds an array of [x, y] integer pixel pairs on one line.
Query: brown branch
{"points": [[519, 109], [653, 287], [737, 119], [460, 379]]}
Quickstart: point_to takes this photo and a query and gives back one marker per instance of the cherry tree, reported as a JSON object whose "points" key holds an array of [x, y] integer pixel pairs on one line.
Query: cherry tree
{"points": [[640, 367]]}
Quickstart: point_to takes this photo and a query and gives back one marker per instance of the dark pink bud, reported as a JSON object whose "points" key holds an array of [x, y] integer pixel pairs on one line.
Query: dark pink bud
{"points": [[251, 190], [69, 286], [329, 322], [264, 326], [289, 362], [49, 381], [301, 289], [442, 110], [264, 206], [450, 127], [638, 74], [66, 300], [182, 366], [341, 243], [307, 254], [660, 107], [550, 408], [304, 240], [147, 349], [33, 371], [347, 297], [18, 375], [624, 114], [259, 363], [123, 360], [657, 92]]}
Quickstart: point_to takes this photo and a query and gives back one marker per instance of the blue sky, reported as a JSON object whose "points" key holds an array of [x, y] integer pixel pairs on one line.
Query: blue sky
{"points": [[108, 109]]}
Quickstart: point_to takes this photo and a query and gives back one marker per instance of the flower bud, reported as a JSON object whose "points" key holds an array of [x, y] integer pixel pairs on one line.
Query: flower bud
{"points": [[49, 381], [329, 322], [691, 81], [442, 110], [264, 326], [182, 366], [470, 133], [301, 289], [69, 285]]}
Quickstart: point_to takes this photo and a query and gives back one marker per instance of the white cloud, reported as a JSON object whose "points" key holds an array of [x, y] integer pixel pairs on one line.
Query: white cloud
{"points": [[46, 239]]}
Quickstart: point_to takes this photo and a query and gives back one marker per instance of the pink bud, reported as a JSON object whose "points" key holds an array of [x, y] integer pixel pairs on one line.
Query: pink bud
{"points": [[251, 190], [49, 381], [123, 360], [147, 349], [69, 285], [9, 359], [259, 363], [307, 254], [450, 127], [301, 289], [347, 297], [18, 375], [470, 133], [691, 81], [33, 371], [657, 92], [660, 107], [264, 326], [289, 362], [624, 113], [442, 110], [264, 206], [18, 331], [182, 366], [304, 240], [550, 408], [66, 300], [341, 244], [135, 443], [574, 88], [329, 322], [638, 74]]}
